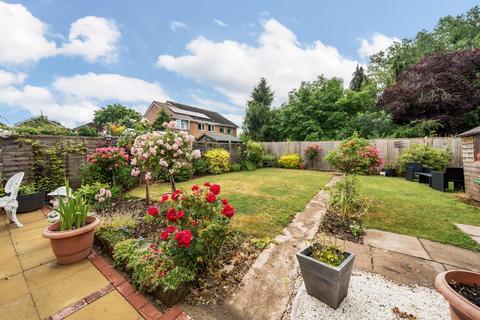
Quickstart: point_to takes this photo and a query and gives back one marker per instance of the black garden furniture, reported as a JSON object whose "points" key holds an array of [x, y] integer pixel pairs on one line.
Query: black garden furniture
{"points": [[440, 179], [411, 168]]}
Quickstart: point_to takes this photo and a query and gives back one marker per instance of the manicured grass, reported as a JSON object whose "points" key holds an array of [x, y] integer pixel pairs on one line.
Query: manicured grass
{"points": [[415, 209], [266, 199]]}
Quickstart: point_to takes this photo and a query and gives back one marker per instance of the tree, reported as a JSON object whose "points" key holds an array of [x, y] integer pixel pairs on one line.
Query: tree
{"points": [[358, 79], [442, 87], [258, 113], [452, 33], [162, 117], [116, 114]]}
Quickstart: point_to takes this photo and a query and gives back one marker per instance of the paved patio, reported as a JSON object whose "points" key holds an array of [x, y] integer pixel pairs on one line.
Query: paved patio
{"points": [[33, 286]]}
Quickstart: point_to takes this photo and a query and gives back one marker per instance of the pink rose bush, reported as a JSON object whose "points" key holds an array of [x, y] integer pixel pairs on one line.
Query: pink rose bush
{"points": [[108, 161], [167, 151]]}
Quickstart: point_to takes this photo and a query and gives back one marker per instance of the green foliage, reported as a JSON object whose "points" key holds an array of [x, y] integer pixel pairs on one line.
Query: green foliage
{"points": [[432, 158], [87, 131], [328, 252], [254, 153], [115, 228], [200, 166], [90, 192], [355, 156], [235, 167], [290, 161], [313, 152], [369, 125], [258, 114], [41, 125], [269, 160], [246, 165], [418, 128], [162, 117], [346, 203], [73, 211], [358, 79], [27, 188], [218, 160], [116, 114]]}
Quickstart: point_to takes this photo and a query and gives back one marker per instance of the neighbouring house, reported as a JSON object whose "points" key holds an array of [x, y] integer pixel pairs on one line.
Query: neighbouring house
{"points": [[471, 162], [194, 120], [219, 138]]}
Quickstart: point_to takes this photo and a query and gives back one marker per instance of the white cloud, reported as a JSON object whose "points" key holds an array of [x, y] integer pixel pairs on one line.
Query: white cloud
{"points": [[213, 105], [73, 100], [24, 39], [376, 43], [9, 78], [233, 68], [109, 87], [235, 118], [175, 25], [22, 36], [220, 23], [93, 38]]}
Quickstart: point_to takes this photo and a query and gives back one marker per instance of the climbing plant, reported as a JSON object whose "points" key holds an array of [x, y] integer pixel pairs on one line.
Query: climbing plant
{"points": [[48, 168]]}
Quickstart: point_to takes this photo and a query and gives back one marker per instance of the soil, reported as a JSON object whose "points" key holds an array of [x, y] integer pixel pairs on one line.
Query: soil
{"points": [[471, 292], [332, 226], [134, 207]]}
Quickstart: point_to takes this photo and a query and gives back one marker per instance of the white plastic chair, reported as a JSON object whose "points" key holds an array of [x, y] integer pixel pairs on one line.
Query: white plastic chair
{"points": [[10, 203]]}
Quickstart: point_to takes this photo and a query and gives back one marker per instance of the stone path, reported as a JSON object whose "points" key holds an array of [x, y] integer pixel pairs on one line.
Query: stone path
{"points": [[265, 289], [33, 286], [472, 231]]}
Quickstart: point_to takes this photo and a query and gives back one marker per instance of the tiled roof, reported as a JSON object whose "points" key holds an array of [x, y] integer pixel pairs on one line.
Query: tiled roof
{"points": [[471, 132], [220, 137]]}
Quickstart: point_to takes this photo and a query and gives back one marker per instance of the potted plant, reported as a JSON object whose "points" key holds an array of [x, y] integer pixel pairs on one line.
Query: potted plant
{"points": [[326, 270], [389, 170], [462, 291], [29, 198], [71, 237]]}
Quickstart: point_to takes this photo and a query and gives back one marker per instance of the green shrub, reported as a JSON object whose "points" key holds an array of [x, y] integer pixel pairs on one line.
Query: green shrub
{"points": [[269, 160], [289, 161], [93, 194], [254, 153], [434, 159], [247, 166], [200, 166], [218, 161], [355, 156], [87, 131], [115, 229], [235, 167]]}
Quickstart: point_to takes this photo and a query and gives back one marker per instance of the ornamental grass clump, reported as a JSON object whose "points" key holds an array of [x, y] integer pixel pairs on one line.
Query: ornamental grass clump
{"points": [[196, 225]]}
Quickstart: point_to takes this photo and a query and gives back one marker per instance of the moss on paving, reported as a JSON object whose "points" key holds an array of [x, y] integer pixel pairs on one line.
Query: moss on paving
{"points": [[415, 209], [266, 199]]}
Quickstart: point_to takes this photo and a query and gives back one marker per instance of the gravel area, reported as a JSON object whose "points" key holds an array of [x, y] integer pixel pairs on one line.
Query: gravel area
{"points": [[371, 296]]}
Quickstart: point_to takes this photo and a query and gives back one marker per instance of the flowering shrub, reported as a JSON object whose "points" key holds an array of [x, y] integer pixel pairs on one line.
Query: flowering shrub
{"points": [[167, 151], [313, 152], [218, 161], [434, 159], [355, 156], [289, 161], [98, 194], [108, 161], [196, 227]]}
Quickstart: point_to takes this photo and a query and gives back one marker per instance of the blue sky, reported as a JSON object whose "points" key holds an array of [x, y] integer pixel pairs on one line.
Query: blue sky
{"points": [[68, 58]]}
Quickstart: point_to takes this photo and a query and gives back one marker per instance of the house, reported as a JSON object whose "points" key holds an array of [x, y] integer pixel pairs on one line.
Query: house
{"points": [[194, 120], [471, 162]]}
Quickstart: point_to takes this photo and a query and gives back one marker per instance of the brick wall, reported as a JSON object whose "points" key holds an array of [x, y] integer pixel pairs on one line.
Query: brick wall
{"points": [[197, 133], [471, 168]]}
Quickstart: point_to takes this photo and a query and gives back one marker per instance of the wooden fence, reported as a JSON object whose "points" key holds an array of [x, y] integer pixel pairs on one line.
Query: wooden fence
{"points": [[390, 149], [17, 156]]}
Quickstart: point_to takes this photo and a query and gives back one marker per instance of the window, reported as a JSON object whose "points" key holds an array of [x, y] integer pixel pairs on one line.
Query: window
{"points": [[229, 130], [201, 126], [222, 130], [211, 128], [182, 124]]}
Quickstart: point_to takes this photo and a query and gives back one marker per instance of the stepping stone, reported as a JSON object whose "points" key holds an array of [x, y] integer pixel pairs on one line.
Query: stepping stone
{"points": [[395, 242], [453, 256]]}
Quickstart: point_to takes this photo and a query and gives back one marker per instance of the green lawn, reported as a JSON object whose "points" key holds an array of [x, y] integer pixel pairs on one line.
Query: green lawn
{"points": [[415, 209], [266, 199]]}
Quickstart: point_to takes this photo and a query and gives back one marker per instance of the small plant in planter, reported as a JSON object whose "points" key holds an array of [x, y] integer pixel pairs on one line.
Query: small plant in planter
{"points": [[389, 170], [326, 269], [30, 198], [72, 237]]}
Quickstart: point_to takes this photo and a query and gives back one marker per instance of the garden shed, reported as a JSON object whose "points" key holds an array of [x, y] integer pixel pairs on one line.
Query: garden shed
{"points": [[471, 162]]}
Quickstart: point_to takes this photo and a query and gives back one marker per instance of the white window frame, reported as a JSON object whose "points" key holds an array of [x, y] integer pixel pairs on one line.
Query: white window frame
{"points": [[211, 128], [180, 124], [201, 126]]}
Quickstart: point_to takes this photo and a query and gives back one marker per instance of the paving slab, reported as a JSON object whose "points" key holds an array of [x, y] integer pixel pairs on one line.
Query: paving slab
{"points": [[405, 269], [363, 259], [470, 230], [476, 239], [110, 306], [271, 278], [21, 308], [9, 266], [12, 288], [395, 242], [453, 256]]}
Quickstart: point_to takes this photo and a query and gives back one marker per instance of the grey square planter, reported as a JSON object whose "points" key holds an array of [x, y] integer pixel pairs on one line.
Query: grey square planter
{"points": [[326, 283]]}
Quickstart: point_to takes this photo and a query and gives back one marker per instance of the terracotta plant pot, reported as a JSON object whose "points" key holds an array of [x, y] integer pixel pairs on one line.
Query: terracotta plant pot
{"points": [[72, 245], [460, 308]]}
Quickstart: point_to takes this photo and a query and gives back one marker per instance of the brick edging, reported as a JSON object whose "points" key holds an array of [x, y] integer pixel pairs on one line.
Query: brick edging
{"points": [[141, 304]]}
